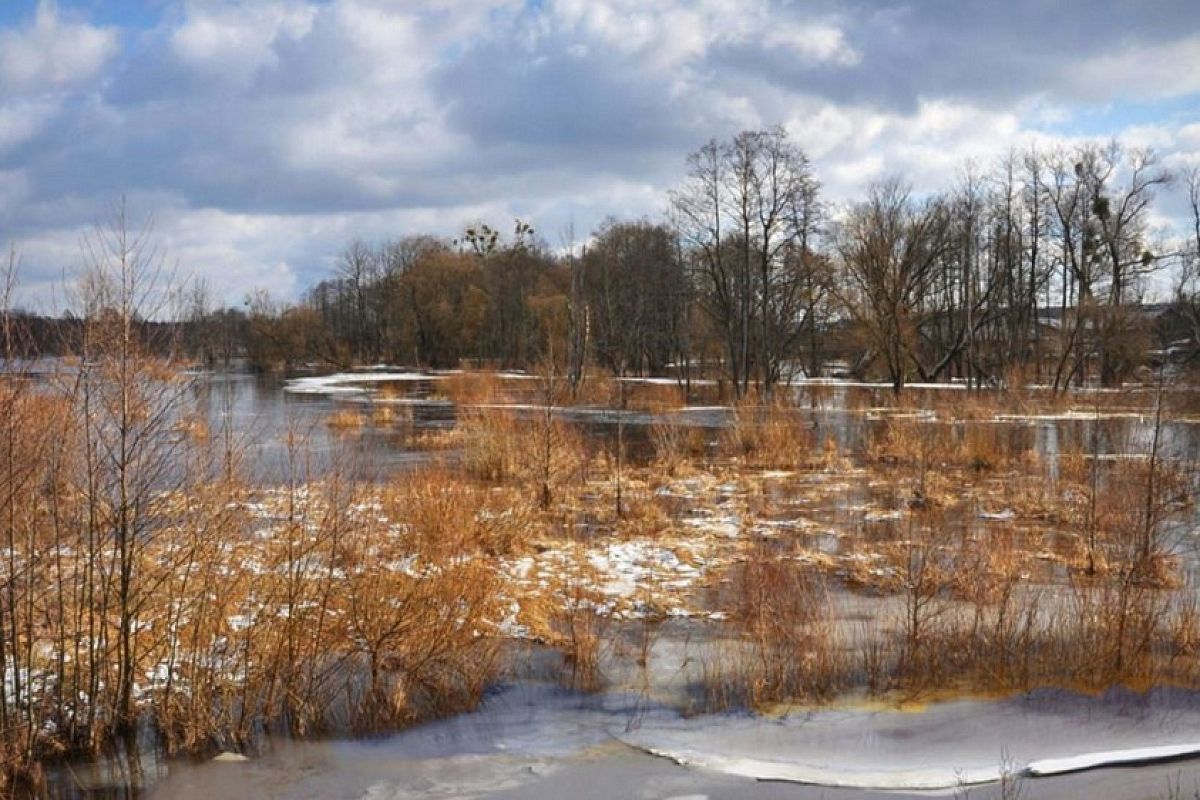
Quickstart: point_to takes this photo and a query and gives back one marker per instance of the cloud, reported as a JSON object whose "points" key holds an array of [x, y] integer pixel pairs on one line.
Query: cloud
{"points": [[852, 146], [21, 119], [53, 53], [1144, 71], [265, 134], [985, 52], [234, 43]]}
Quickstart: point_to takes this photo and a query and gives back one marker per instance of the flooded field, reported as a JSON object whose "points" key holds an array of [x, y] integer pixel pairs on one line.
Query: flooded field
{"points": [[949, 566], [395, 408]]}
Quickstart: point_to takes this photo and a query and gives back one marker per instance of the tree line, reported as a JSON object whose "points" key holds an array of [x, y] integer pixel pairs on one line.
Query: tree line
{"points": [[1038, 267]]}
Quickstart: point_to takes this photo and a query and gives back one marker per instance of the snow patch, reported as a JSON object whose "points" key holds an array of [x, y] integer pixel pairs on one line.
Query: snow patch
{"points": [[350, 382], [1111, 758], [927, 779]]}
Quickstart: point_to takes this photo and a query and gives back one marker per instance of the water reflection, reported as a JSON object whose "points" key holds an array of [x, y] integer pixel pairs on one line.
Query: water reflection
{"points": [[287, 437], [257, 411]]}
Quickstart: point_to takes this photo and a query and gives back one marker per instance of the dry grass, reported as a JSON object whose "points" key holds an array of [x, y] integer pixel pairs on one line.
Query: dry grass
{"points": [[925, 444], [194, 427], [990, 447], [1017, 397], [773, 435], [437, 439], [472, 387], [491, 443], [441, 514], [655, 397], [783, 645], [676, 445], [383, 414], [345, 420], [543, 455], [581, 634]]}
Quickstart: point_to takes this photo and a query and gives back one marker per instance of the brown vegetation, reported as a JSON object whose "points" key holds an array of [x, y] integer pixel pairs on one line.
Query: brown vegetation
{"points": [[326, 605]]}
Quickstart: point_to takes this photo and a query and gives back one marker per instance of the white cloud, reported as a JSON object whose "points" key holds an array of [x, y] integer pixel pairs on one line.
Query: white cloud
{"points": [[1144, 72], [855, 145], [14, 191], [52, 53], [673, 35], [815, 42], [235, 42], [21, 119], [267, 133]]}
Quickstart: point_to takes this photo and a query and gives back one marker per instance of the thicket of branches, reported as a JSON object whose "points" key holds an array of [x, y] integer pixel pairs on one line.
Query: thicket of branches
{"points": [[145, 584]]}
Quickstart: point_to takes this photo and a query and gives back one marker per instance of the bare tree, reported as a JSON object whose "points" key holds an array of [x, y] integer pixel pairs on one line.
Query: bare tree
{"points": [[578, 321], [1120, 211], [633, 277], [748, 216], [1099, 222], [359, 267], [1187, 287], [889, 248], [131, 398]]}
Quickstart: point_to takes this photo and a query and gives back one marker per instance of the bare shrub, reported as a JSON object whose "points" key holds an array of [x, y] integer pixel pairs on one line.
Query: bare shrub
{"points": [[786, 644], [582, 639], [914, 444], [499, 448], [490, 439], [345, 420], [416, 622], [675, 444], [655, 397], [924, 571], [472, 387], [771, 435]]}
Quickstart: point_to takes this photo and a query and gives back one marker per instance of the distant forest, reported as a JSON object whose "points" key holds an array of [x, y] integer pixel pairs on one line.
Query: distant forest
{"points": [[1037, 268]]}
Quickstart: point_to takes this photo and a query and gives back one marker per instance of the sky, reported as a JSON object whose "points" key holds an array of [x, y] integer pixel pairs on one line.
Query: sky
{"points": [[261, 136]]}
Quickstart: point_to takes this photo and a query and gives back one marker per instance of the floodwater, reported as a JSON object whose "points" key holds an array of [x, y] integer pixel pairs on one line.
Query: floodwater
{"points": [[535, 740], [286, 437], [282, 425], [532, 739], [266, 412]]}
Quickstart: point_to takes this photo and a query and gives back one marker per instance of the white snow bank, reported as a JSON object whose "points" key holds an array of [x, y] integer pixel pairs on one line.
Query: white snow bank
{"points": [[832, 775], [622, 574], [1111, 758], [351, 382], [845, 382], [667, 381], [1073, 415], [726, 525], [940, 748], [924, 778]]}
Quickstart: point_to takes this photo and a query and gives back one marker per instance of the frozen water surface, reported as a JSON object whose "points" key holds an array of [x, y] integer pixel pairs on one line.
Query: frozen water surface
{"points": [[537, 741]]}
